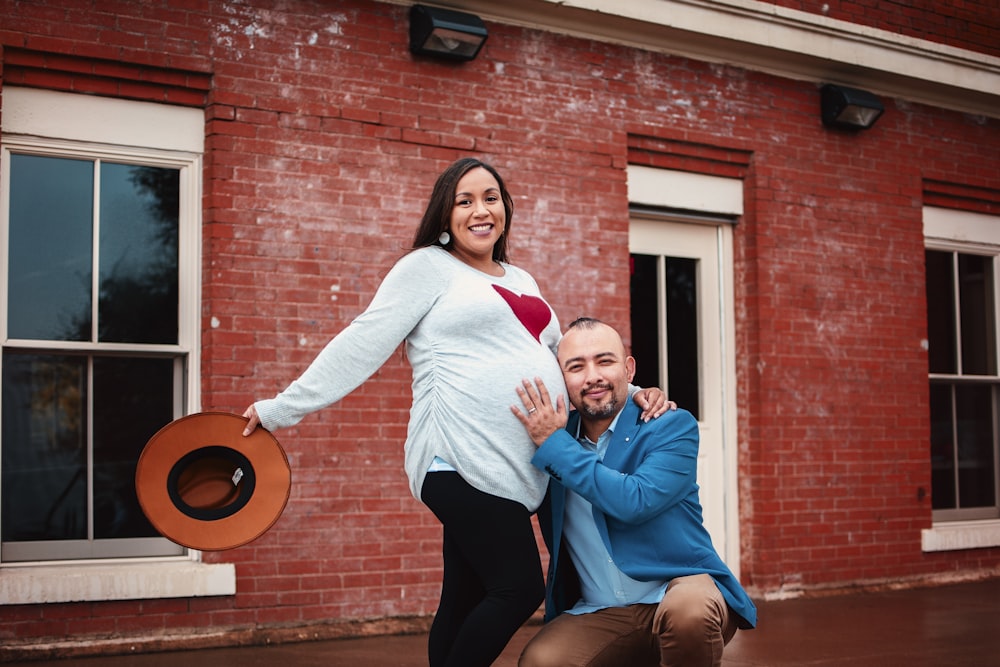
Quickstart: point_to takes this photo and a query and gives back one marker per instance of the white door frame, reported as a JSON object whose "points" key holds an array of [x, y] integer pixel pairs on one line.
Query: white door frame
{"points": [[710, 241]]}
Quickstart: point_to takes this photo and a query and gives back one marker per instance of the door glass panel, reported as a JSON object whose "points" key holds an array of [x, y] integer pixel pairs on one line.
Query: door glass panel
{"points": [[645, 324], [678, 292], [139, 222], [50, 258], [44, 492], [682, 333]]}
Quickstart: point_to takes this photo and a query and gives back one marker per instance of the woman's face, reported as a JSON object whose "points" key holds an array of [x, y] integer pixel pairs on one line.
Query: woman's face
{"points": [[477, 217]]}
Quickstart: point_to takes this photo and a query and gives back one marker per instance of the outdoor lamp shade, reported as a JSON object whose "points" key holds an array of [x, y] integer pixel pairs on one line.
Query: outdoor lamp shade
{"points": [[849, 107], [444, 33]]}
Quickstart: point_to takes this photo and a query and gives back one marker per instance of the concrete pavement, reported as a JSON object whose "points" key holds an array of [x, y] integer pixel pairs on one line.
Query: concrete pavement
{"points": [[955, 625]]}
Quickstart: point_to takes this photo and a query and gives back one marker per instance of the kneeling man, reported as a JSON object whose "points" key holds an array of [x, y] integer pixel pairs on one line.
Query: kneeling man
{"points": [[633, 577]]}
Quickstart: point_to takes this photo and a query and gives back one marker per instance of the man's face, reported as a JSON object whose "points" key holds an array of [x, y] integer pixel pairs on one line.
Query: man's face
{"points": [[597, 371]]}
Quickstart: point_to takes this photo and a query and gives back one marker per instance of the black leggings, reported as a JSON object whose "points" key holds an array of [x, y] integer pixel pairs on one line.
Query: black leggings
{"points": [[492, 572]]}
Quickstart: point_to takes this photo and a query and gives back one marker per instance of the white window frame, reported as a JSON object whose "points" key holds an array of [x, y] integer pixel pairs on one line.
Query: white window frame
{"points": [[962, 231], [54, 123]]}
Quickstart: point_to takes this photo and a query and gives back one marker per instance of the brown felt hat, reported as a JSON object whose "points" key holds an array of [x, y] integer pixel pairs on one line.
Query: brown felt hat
{"points": [[204, 485]]}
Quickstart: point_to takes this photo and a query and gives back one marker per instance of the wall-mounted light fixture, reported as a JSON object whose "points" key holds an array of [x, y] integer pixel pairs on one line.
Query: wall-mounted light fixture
{"points": [[444, 33], [849, 107]]}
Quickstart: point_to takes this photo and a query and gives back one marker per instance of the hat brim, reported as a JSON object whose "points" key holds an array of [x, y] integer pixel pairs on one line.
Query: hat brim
{"points": [[260, 483]]}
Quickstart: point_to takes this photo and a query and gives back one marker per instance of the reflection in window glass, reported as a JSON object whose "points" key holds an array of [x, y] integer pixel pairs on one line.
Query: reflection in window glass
{"points": [[975, 280], [50, 257], [940, 312], [44, 492], [138, 258], [962, 453], [44, 485], [974, 430], [133, 399], [942, 449]]}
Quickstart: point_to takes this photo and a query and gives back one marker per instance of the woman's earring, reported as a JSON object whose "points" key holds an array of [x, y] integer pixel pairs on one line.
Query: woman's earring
{"points": [[445, 238]]}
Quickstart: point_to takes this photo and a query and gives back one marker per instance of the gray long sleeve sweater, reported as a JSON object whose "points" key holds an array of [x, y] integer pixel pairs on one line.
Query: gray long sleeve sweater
{"points": [[470, 340]]}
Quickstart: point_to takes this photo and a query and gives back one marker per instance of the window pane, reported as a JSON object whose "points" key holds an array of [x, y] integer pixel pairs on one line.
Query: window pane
{"points": [[682, 333], [974, 412], [942, 448], [139, 223], [941, 312], [679, 291], [133, 399], [645, 340], [44, 485], [975, 279], [50, 257]]}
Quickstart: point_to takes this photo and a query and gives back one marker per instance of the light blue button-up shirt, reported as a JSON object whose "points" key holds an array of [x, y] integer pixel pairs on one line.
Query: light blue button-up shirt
{"points": [[602, 584]]}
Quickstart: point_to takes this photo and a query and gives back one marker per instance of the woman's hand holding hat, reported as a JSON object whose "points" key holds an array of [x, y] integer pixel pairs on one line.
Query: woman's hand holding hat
{"points": [[251, 414]]}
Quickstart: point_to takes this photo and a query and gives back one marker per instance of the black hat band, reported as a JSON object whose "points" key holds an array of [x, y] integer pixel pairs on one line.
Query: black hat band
{"points": [[224, 462]]}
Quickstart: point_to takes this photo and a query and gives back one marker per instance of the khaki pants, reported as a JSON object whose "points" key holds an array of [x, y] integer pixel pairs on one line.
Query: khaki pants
{"points": [[689, 628]]}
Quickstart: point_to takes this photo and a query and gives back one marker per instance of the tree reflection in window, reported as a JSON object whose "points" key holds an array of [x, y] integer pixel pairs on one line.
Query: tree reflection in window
{"points": [[104, 399]]}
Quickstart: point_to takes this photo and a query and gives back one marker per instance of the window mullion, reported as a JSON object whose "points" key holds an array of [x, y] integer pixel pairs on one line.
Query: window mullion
{"points": [[180, 392], [957, 305], [89, 430], [994, 323], [994, 395], [95, 287], [996, 391], [95, 291], [661, 306], [955, 467]]}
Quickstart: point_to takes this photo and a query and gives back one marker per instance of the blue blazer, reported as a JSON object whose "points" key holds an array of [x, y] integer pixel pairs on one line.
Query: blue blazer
{"points": [[646, 506]]}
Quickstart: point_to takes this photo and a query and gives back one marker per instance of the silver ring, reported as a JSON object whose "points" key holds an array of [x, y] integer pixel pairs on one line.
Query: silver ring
{"points": [[532, 410]]}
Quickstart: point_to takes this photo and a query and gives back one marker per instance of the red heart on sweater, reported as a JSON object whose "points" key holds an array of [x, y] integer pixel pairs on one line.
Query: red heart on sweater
{"points": [[533, 313]]}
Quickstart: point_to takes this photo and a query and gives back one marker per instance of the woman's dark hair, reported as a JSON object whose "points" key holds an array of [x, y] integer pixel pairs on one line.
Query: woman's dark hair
{"points": [[437, 216]]}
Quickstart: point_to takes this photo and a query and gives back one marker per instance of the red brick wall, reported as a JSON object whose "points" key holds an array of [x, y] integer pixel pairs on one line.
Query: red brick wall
{"points": [[968, 24], [323, 138]]}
